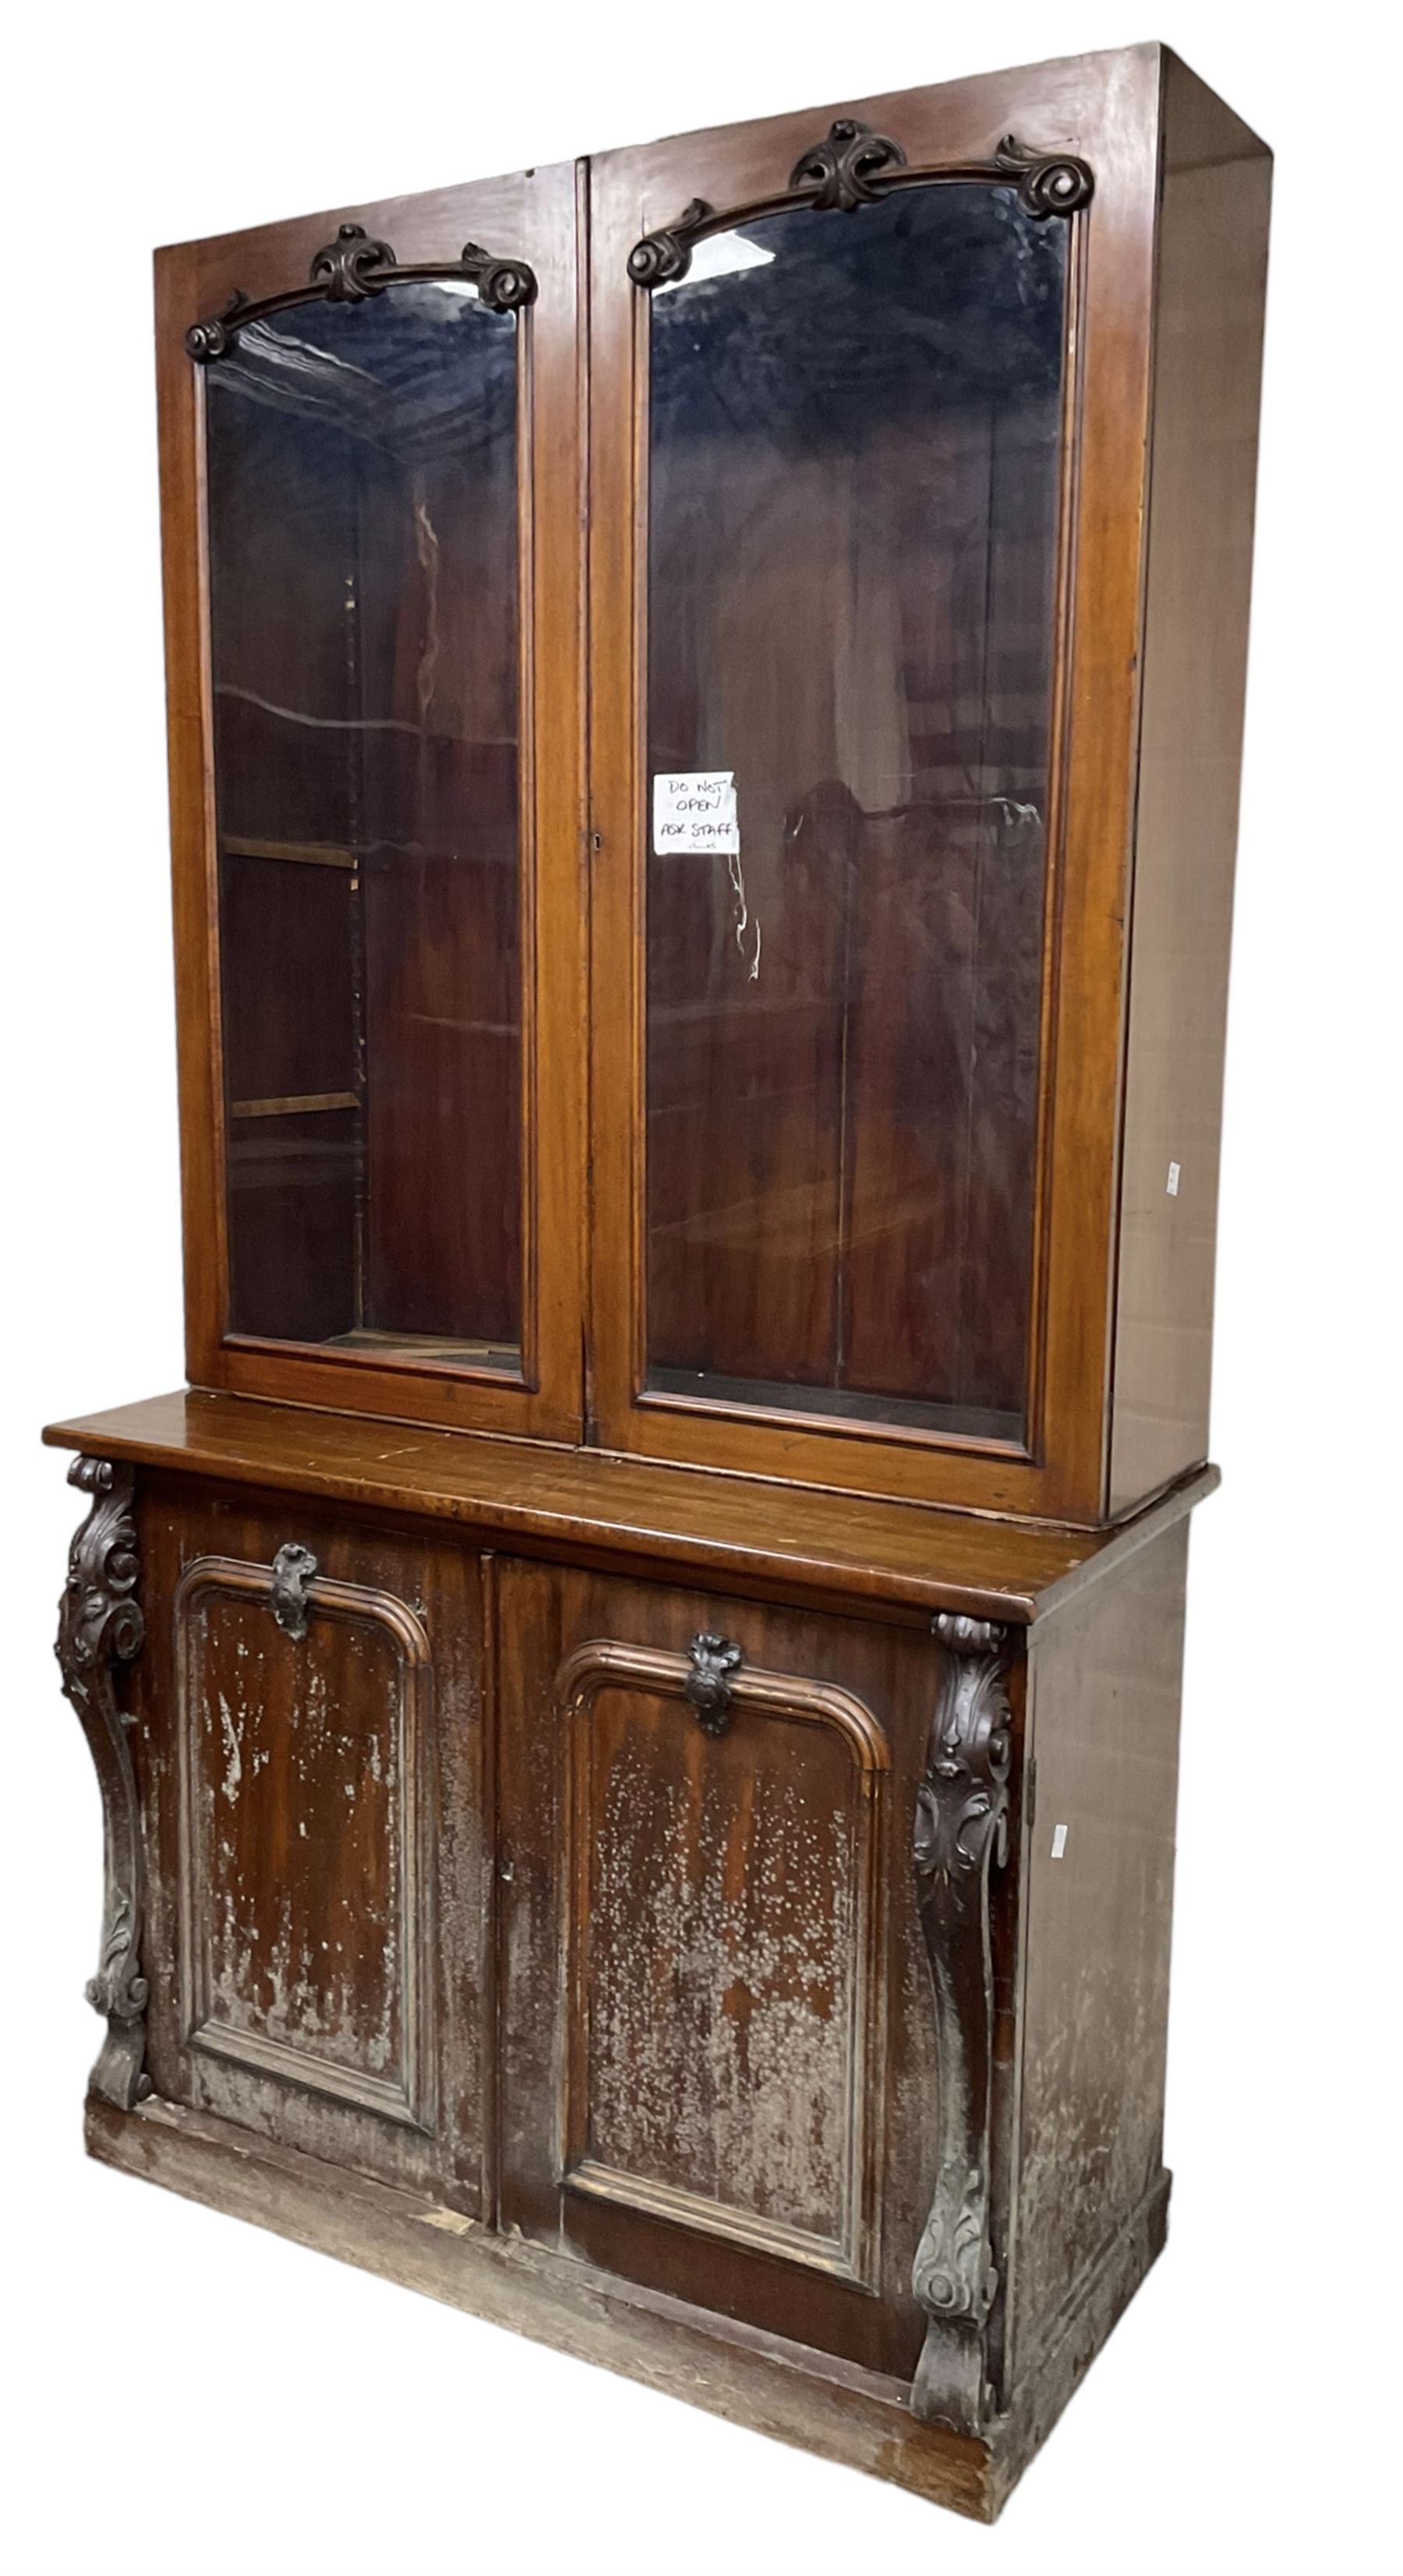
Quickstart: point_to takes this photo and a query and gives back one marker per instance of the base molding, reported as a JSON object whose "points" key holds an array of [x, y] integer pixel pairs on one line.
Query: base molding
{"points": [[808, 2399]]}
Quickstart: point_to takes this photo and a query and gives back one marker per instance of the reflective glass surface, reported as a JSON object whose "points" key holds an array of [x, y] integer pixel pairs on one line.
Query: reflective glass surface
{"points": [[361, 464], [855, 427]]}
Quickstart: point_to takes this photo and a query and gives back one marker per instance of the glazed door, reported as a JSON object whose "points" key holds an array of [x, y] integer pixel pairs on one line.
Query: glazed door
{"points": [[309, 1730], [847, 480], [369, 446], [713, 1992]]}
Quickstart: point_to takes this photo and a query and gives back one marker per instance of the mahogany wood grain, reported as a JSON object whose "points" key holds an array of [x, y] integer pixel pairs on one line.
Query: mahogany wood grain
{"points": [[1208, 338], [904, 1560]]}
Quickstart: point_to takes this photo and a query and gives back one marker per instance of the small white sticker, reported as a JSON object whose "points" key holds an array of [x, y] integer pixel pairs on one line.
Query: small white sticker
{"points": [[1059, 1841], [1171, 1186], [694, 813]]}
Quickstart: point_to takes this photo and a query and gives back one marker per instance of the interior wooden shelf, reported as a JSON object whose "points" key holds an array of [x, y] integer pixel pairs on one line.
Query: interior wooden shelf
{"points": [[294, 1104], [307, 854]]}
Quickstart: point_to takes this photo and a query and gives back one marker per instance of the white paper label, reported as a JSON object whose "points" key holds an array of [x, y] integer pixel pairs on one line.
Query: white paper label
{"points": [[1171, 1186], [694, 813], [1059, 1841]]}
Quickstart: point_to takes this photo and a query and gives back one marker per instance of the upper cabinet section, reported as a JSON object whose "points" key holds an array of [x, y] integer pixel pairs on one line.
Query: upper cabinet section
{"points": [[383, 436], [872, 395], [782, 688]]}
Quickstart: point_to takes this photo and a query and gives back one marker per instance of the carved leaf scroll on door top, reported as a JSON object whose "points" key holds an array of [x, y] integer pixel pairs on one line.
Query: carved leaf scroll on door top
{"points": [[725, 1988]]}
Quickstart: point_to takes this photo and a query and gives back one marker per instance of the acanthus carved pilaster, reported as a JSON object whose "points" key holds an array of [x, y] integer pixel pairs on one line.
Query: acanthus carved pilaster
{"points": [[101, 1625], [961, 1833]]}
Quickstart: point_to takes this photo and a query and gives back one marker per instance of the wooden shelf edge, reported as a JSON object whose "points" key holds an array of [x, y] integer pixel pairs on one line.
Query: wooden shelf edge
{"points": [[902, 1560]]}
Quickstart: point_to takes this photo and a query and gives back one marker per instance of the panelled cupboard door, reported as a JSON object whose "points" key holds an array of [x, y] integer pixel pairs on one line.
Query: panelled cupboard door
{"points": [[718, 2055], [308, 1730], [371, 528], [869, 396]]}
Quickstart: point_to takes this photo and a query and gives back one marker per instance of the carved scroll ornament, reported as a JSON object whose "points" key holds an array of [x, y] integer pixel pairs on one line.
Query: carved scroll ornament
{"points": [[961, 1833], [1049, 183], [101, 1625], [840, 170], [853, 167], [664, 256], [354, 267]]}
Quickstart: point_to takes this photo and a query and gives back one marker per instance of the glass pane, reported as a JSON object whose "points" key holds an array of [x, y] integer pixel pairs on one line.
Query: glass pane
{"points": [[363, 592], [855, 436]]}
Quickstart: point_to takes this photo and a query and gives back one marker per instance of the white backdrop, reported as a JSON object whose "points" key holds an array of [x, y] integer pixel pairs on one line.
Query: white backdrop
{"points": [[185, 2391]]}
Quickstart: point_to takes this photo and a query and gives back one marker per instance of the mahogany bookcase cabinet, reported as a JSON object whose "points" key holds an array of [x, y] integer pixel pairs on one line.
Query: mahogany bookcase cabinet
{"points": [[636, 1696]]}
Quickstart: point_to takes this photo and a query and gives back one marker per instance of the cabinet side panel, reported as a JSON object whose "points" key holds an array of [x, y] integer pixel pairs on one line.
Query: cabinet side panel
{"points": [[1104, 1685], [1212, 280]]}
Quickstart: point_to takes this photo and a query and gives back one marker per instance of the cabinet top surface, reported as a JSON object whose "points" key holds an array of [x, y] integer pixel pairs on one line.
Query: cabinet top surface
{"points": [[1072, 76], [917, 1557]]}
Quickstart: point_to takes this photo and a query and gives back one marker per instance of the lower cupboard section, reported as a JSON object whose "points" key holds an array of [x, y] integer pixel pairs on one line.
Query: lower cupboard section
{"points": [[708, 1947], [584, 1903]]}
